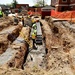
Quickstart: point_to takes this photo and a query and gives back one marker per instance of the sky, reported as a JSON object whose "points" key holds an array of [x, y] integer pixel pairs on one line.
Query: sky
{"points": [[30, 2]]}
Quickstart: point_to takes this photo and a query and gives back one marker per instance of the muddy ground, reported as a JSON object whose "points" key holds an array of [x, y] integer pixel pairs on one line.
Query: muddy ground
{"points": [[56, 55]]}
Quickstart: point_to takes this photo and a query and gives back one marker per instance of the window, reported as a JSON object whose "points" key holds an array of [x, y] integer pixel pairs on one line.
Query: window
{"points": [[64, 0]]}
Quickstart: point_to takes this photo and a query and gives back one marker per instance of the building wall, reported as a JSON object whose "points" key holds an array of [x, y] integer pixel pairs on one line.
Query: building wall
{"points": [[54, 2], [64, 2], [60, 8], [73, 7], [63, 5], [22, 5], [35, 9], [45, 13], [72, 4], [72, 1]]}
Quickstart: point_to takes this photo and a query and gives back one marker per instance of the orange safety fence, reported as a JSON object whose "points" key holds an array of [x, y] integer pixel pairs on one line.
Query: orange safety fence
{"points": [[54, 13], [33, 13], [30, 12], [66, 15]]}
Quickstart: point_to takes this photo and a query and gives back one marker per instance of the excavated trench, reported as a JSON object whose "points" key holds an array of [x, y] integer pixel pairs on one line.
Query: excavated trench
{"points": [[15, 51], [56, 54], [6, 36], [18, 53], [36, 57], [15, 54], [5, 22], [60, 44], [13, 47], [60, 58], [6, 27]]}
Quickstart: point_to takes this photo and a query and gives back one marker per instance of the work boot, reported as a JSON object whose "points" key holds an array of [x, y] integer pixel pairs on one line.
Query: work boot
{"points": [[34, 48]]}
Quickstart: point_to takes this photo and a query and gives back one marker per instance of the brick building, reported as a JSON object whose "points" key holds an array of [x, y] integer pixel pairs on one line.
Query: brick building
{"points": [[63, 5]]}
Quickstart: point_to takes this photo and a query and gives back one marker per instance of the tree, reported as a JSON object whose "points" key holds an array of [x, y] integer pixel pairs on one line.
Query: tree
{"points": [[14, 3], [8, 5], [40, 3]]}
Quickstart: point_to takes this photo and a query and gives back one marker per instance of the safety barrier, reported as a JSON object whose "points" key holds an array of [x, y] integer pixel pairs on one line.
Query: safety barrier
{"points": [[54, 13]]}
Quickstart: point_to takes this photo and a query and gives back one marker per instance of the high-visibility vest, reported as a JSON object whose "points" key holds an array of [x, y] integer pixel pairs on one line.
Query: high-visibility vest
{"points": [[34, 31], [33, 35], [1, 13], [34, 26]]}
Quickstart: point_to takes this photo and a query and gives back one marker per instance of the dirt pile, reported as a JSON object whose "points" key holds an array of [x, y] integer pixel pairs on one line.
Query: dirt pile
{"points": [[60, 50], [8, 35], [23, 12], [47, 34], [3, 43], [14, 71], [60, 58], [14, 55], [15, 33], [5, 22]]}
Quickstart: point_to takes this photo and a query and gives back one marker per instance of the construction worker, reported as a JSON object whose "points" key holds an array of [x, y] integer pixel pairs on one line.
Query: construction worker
{"points": [[23, 21], [1, 13], [34, 26], [34, 34], [16, 20], [33, 38]]}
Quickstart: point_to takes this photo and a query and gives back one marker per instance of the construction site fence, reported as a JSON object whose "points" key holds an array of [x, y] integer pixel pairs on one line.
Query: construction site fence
{"points": [[54, 13]]}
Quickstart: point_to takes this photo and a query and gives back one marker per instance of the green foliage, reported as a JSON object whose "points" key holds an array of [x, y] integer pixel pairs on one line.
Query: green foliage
{"points": [[14, 3], [8, 4], [40, 3]]}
